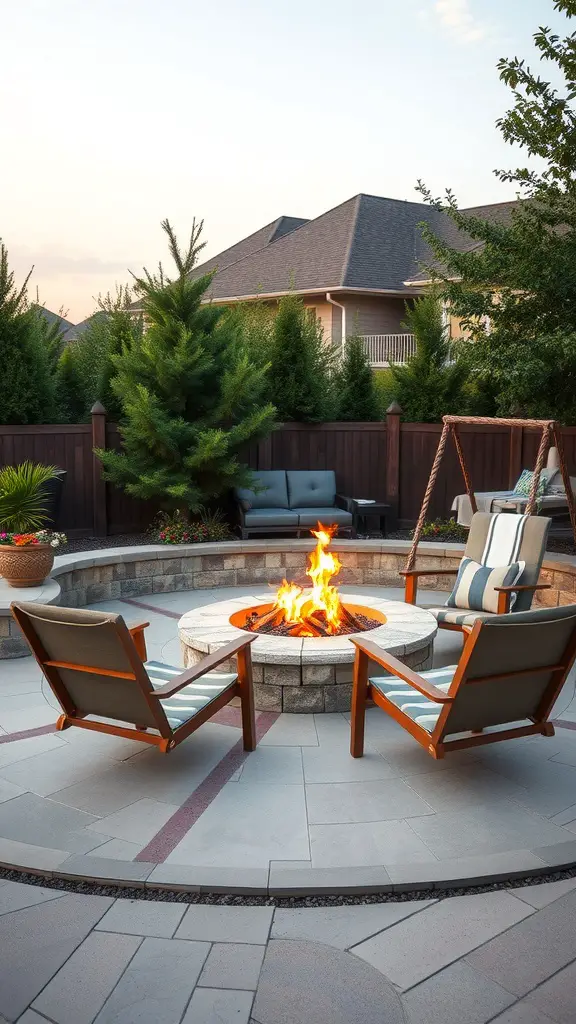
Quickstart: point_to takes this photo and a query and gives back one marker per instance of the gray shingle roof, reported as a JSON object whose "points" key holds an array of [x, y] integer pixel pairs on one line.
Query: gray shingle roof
{"points": [[52, 318], [499, 213], [367, 242]]}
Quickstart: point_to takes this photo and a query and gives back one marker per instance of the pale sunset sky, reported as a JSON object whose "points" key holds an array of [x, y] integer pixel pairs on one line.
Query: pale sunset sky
{"points": [[117, 113]]}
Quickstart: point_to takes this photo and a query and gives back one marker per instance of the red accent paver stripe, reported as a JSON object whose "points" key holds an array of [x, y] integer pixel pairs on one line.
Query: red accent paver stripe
{"points": [[26, 734], [151, 608], [564, 725], [167, 839]]}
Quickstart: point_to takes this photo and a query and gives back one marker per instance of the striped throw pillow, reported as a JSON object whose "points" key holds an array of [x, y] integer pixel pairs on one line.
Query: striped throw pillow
{"points": [[475, 583]]}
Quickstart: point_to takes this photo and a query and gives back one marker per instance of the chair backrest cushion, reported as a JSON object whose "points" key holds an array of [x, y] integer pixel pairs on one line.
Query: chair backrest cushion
{"points": [[475, 585], [311, 488], [94, 640], [530, 550], [273, 492], [508, 644]]}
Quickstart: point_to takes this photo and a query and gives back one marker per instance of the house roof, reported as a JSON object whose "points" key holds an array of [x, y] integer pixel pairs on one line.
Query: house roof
{"points": [[52, 318], [77, 330], [368, 242], [498, 213]]}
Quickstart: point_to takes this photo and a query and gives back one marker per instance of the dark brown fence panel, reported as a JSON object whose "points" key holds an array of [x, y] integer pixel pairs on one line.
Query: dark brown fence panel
{"points": [[68, 446], [125, 514], [355, 451]]}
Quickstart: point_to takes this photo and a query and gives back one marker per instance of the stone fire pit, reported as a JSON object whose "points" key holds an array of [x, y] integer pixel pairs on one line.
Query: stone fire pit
{"points": [[301, 675]]}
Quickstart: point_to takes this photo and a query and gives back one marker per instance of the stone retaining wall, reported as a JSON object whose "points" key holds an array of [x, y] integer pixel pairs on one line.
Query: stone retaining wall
{"points": [[89, 577]]}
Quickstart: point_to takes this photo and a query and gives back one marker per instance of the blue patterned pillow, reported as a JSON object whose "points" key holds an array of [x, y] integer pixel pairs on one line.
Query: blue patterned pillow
{"points": [[524, 483], [475, 583]]}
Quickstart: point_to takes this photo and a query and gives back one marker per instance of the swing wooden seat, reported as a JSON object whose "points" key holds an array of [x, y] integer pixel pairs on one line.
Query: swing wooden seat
{"points": [[534, 531]]}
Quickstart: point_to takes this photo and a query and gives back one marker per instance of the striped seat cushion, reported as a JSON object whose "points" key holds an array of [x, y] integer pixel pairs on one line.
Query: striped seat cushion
{"points": [[457, 616], [187, 702], [423, 711], [475, 585]]}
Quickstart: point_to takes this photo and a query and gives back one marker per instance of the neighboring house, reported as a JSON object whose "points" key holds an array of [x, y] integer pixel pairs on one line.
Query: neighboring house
{"points": [[52, 318], [355, 266], [77, 330]]}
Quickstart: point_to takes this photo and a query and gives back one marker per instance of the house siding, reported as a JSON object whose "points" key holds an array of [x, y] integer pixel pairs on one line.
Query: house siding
{"points": [[366, 314]]}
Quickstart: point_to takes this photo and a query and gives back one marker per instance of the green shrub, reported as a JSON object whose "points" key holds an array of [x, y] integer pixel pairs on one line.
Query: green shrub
{"points": [[357, 397]]}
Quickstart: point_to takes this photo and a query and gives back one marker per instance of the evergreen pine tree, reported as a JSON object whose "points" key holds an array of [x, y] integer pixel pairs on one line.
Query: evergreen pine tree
{"points": [[190, 395], [428, 385], [301, 371], [27, 394], [357, 398], [70, 393]]}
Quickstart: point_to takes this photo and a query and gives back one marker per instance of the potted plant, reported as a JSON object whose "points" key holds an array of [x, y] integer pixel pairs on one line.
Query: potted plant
{"points": [[26, 548]]}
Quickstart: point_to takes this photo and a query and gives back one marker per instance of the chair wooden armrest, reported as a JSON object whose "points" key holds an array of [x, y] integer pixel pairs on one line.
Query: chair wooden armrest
{"points": [[397, 668], [412, 576], [204, 666], [137, 634], [505, 593]]}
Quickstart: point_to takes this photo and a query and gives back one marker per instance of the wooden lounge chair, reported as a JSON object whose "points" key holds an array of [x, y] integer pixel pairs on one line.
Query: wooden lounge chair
{"points": [[531, 551], [511, 670], [96, 666]]}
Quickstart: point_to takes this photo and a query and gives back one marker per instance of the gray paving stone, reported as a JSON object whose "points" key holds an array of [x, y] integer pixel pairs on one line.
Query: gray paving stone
{"points": [[456, 995], [141, 917], [226, 924], [291, 731], [442, 874], [137, 823], [214, 1006], [30, 1017], [332, 763], [557, 997], [24, 855], [539, 896], [17, 896], [559, 854], [157, 984], [366, 843], [423, 944], [206, 879], [31, 819], [273, 764], [341, 927], [523, 1013], [482, 829], [98, 869], [308, 983], [41, 938], [82, 985], [294, 881], [528, 954], [232, 965], [341, 803]]}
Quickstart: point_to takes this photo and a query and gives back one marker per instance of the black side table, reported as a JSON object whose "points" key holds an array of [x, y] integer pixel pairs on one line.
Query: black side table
{"points": [[361, 513]]}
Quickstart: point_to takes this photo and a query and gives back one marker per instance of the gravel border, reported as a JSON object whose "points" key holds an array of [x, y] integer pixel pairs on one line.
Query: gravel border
{"points": [[233, 900]]}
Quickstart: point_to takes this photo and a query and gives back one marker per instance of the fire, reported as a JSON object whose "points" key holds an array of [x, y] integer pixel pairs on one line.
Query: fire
{"points": [[297, 605]]}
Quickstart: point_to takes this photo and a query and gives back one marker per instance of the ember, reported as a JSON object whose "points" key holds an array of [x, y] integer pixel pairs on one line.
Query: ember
{"points": [[315, 611]]}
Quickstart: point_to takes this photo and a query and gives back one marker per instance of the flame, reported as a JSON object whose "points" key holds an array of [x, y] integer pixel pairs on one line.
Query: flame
{"points": [[298, 604]]}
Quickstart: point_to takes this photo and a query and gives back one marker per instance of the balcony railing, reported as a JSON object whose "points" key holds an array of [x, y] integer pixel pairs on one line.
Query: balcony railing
{"points": [[383, 349]]}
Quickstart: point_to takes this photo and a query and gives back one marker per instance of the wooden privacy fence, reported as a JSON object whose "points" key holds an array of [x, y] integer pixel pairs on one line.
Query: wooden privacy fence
{"points": [[389, 461]]}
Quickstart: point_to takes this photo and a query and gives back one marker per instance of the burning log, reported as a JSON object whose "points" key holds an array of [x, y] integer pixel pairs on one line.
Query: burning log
{"points": [[266, 621], [350, 621]]}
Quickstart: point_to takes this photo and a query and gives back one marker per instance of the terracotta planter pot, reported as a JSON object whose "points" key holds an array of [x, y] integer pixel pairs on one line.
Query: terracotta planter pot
{"points": [[26, 566]]}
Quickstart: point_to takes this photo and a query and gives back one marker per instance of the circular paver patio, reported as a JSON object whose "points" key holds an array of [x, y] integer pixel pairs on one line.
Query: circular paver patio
{"points": [[297, 815]]}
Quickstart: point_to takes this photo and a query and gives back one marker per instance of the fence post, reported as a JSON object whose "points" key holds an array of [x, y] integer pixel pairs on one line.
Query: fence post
{"points": [[393, 414], [515, 462], [98, 413]]}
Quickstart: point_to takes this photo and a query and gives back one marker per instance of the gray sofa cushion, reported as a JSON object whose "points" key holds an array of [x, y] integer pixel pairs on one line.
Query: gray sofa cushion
{"points": [[311, 488], [270, 517], [327, 516], [275, 495]]}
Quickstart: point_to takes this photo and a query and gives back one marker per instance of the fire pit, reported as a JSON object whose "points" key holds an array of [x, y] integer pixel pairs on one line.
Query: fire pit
{"points": [[313, 612], [302, 657]]}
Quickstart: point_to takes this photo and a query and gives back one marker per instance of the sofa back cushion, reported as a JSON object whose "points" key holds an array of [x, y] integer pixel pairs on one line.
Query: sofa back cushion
{"points": [[274, 493], [311, 488]]}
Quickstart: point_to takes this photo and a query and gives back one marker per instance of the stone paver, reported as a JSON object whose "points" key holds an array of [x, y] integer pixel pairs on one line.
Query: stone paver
{"points": [[539, 896], [226, 924], [412, 950], [80, 988], [341, 927], [16, 896], [309, 983], [233, 965], [37, 941], [528, 954], [157, 984], [217, 1006], [456, 995], [141, 917], [523, 1013], [137, 823], [556, 996]]}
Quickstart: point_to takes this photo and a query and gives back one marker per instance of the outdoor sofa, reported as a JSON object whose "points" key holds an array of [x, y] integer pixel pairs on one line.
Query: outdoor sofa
{"points": [[291, 501]]}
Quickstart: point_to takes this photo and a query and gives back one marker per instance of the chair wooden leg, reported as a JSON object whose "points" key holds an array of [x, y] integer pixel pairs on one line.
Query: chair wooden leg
{"points": [[359, 697], [247, 699], [63, 723], [410, 589]]}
